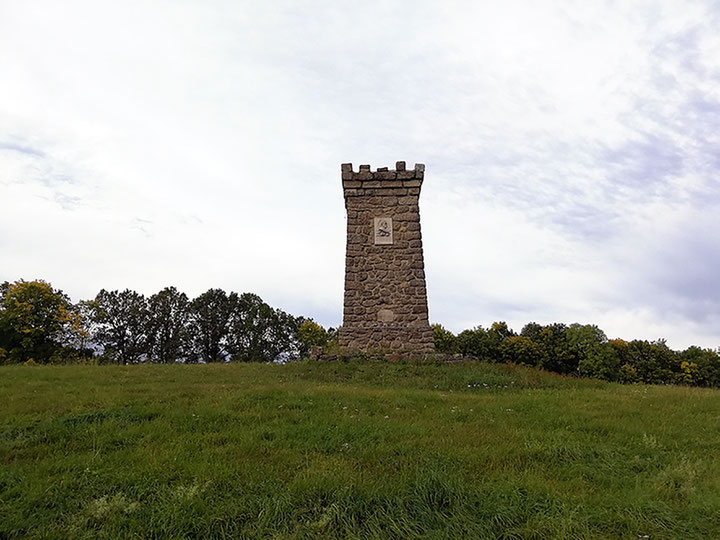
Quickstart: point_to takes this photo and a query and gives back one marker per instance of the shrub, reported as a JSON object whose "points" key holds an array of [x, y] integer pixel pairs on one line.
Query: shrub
{"points": [[702, 366], [445, 341], [521, 350]]}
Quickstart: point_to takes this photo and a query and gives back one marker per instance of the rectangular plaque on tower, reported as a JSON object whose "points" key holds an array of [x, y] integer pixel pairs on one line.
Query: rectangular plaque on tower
{"points": [[383, 231]]}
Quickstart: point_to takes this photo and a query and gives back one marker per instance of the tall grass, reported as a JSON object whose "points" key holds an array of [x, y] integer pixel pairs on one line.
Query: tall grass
{"points": [[352, 450]]}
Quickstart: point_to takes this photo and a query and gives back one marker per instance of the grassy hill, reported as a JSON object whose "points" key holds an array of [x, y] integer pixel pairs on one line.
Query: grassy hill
{"points": [[352, 449]]}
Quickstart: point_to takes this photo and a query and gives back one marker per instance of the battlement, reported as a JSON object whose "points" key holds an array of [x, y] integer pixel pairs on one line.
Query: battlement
{"points": [[366, 182]]}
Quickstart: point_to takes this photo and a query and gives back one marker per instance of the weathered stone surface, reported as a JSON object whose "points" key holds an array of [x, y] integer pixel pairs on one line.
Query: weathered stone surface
{"points": [[385, 315], [385, 306]]}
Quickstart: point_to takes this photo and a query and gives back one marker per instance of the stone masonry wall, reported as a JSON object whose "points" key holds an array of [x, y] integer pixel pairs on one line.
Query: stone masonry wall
{"points": [[385, 307]]}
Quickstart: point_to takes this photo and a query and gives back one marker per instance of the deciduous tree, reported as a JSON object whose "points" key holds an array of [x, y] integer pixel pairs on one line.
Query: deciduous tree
{"points": [[168, 326], [121, 325], [445, 341], [311, 334], [259, 333], [209, 324], [37, 322]]}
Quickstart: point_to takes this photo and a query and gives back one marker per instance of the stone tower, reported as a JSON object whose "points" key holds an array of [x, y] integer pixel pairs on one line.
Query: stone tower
{"points": [[385, 308]]}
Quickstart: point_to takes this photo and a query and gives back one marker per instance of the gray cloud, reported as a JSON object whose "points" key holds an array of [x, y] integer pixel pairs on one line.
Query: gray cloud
{"points": [[643, 166], [21, 148]]}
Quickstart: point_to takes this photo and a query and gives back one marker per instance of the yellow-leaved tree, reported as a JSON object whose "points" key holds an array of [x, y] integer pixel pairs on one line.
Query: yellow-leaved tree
{"points": [[37, 323]]}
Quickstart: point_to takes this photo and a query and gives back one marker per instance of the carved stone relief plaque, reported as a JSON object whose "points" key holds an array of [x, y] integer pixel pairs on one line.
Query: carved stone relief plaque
{"points": [[383, 231]]}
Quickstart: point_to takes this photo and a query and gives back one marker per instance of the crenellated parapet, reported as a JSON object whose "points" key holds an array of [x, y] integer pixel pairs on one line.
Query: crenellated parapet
{"points": [[383, 181]]}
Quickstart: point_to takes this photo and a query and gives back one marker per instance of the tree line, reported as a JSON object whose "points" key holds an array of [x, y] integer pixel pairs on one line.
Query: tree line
{"points": [[40, 324], [586, 351]]}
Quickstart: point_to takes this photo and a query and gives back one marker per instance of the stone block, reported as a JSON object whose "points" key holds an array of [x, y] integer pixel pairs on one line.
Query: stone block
{"points": [[408, 216], [392, 184], [371, 184]]}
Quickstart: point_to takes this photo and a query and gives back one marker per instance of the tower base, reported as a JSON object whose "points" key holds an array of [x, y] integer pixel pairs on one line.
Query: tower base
{"points": [[386, 337]]}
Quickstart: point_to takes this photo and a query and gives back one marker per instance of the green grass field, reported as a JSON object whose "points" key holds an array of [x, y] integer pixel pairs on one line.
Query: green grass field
{"points": [[352, 450]]}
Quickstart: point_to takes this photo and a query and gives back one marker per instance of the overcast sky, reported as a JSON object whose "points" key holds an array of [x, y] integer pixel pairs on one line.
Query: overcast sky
{"points": [[571, 149]]}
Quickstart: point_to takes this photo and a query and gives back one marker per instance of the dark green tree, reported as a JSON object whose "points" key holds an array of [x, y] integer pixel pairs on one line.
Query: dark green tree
{"points": [[651, 362], [497, 334], [259, 333], [533, 331], [522, 350], [477, 343], [699, 367], [168, 326], [121, 326], [560, 357], [558, 353], [596, 357], [209, 324]]}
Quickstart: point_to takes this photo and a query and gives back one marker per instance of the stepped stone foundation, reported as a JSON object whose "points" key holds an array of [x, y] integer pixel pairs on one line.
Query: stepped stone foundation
{"points": [[385, 307]]}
